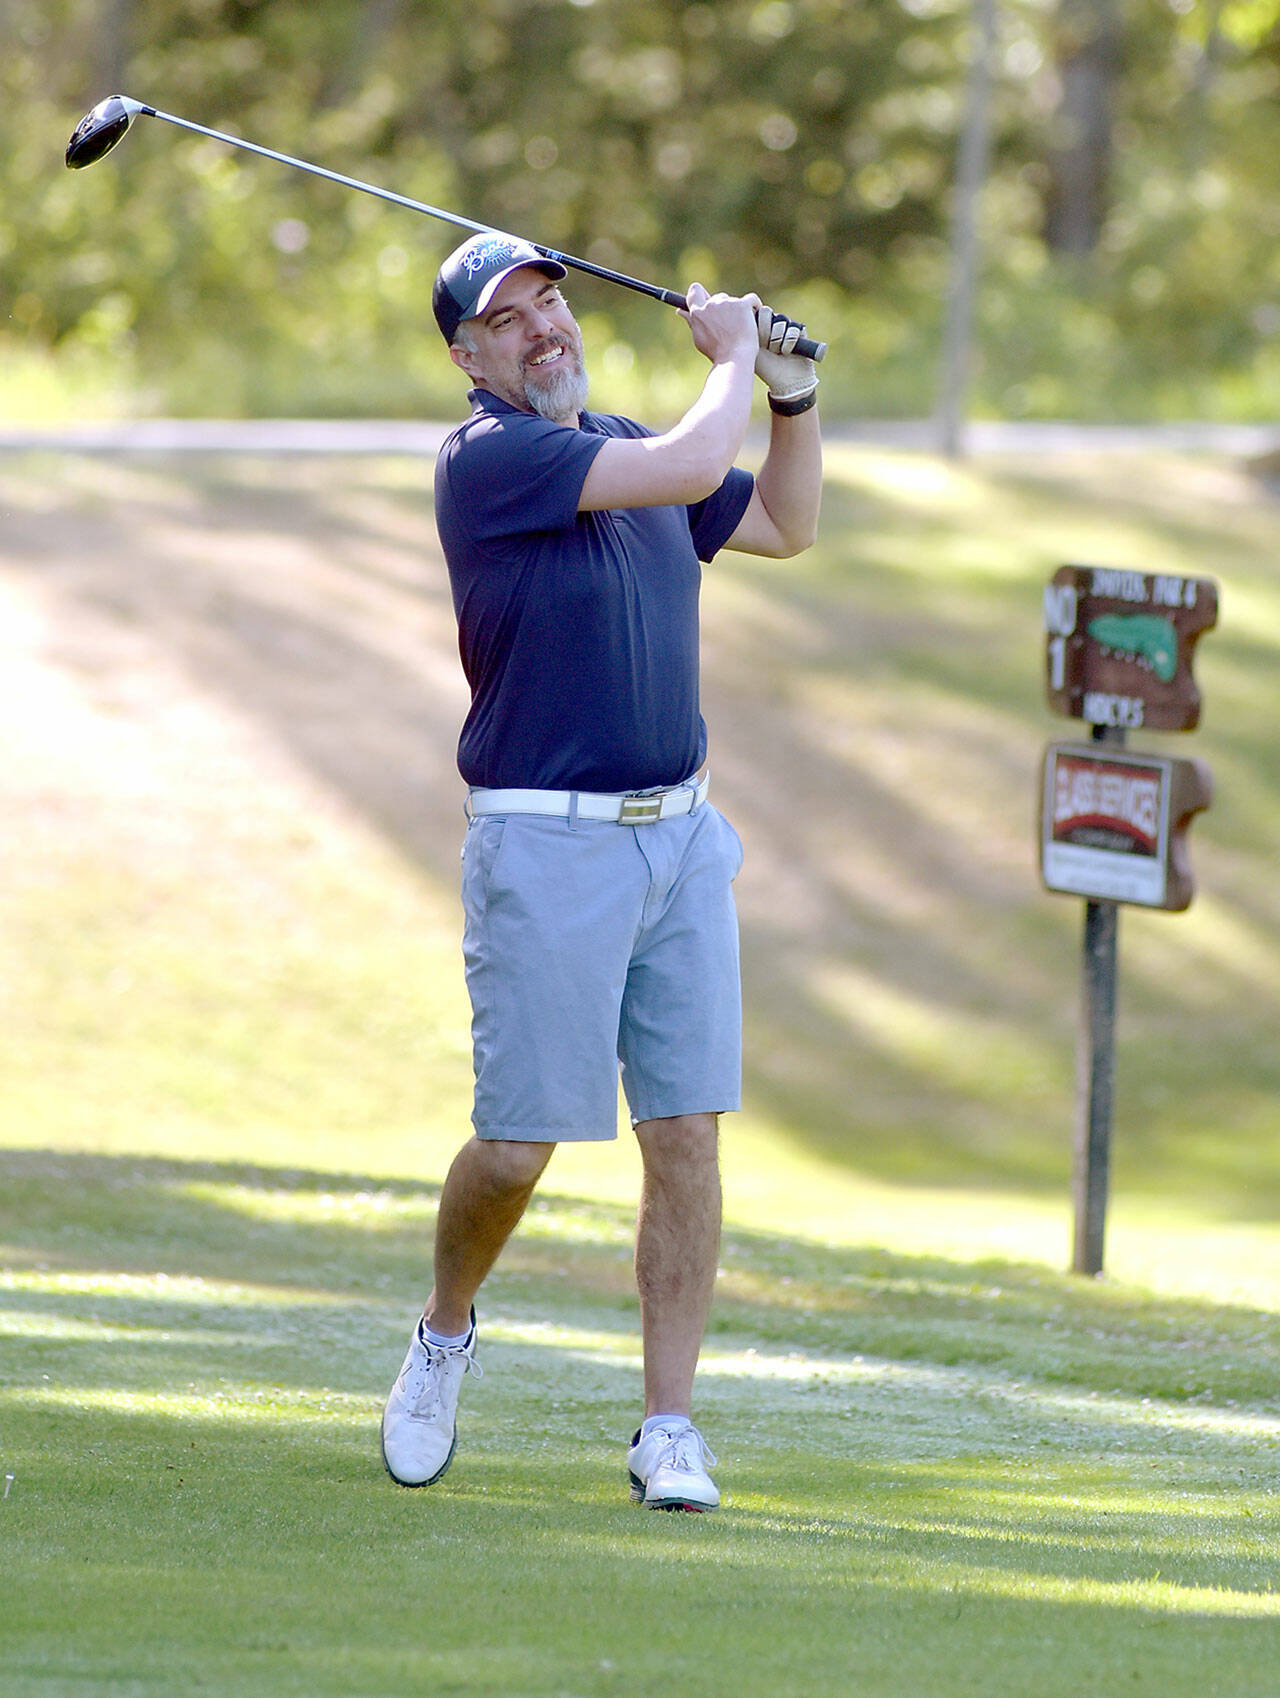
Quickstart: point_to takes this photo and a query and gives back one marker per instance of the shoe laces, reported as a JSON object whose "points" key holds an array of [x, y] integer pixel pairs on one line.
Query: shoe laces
{"points": [[686, 1451], [428, 1372]]}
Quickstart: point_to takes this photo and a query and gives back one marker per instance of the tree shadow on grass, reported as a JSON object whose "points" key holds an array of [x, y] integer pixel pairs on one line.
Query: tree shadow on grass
{"points": [[196, 1355], [261, 1551], [339, 1258]]}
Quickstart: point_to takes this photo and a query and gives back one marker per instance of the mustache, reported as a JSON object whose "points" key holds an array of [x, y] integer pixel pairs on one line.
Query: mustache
{"points": [[553, 344]]}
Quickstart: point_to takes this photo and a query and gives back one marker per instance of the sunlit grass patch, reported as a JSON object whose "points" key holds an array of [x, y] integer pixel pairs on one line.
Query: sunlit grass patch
{"points": [[374, 1209], [911, 1446]]}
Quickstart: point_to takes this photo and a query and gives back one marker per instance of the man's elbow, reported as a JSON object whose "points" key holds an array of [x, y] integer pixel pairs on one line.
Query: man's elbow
{"points": [[799, 540], [786, 543], [701, 476]]}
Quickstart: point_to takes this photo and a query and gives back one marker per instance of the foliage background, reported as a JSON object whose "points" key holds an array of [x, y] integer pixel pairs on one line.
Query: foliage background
{"points": [[806, 147]]}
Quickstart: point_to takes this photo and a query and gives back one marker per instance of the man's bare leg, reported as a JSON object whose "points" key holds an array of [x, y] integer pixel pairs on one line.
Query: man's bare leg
{"points": [[486, 1192], [484, 1196], [677, 1248]]}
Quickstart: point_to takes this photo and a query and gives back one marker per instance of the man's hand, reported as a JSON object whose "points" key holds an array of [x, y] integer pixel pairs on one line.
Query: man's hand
{"points": [[787, 375], [723, 326]]}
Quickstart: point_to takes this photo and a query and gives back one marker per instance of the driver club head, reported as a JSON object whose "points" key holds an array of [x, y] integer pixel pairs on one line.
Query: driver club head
{"points": [[99, 131]]}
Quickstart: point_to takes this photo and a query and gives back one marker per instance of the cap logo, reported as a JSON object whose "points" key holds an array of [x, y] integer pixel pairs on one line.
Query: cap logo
{"points": [[480, 258]]}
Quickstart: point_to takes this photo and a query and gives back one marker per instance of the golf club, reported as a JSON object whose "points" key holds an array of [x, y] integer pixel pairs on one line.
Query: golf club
{"points": [[99, 131]]}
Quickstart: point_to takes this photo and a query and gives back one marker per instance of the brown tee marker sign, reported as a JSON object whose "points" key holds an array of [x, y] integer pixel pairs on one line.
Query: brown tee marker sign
{"points": [[1119, 646]]}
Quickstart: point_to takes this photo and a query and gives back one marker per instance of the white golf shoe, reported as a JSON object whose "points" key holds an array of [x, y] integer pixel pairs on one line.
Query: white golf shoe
{"points": [[668, 1469], [419, 1424]]}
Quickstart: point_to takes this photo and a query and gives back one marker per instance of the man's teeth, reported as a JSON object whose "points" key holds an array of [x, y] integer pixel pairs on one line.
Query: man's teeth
{"points": [[551, 354]]}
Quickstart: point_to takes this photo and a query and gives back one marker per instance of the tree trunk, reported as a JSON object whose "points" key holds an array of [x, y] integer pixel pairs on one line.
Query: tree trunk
{"points": [[111, 47], [971, 172], [1088, 58]]}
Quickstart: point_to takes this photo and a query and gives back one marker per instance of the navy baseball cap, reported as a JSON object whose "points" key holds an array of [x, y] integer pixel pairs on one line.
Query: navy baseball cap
{"points": [[466, 282]]}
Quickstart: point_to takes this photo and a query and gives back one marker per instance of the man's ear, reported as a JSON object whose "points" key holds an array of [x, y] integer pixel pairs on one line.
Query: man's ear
{"points": [[463, 358]]}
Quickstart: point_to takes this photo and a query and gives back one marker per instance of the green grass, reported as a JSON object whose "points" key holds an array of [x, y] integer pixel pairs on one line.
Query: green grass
{"points": [[234, 1052], [948, 1476]]}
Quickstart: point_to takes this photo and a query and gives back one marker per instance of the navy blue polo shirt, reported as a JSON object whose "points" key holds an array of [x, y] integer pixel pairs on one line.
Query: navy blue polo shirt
{"points": [[578, 631]]}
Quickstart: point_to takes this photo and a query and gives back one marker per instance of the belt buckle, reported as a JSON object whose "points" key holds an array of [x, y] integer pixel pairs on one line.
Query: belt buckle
{"points": [[641, 810]]}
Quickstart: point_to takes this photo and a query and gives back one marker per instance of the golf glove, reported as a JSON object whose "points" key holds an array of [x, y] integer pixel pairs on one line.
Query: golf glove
{"points": [[787, 375]]}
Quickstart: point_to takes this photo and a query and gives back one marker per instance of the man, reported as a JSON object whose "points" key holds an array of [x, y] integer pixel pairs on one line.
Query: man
{"points": [[600, 927]]}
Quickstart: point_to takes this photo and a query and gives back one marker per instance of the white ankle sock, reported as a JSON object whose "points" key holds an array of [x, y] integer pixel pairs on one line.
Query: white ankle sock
{"points": [[675, 1422], [442, 1341]]}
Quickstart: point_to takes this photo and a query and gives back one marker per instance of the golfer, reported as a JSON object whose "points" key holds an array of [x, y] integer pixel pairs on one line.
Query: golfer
{"points": [[600, 929]]}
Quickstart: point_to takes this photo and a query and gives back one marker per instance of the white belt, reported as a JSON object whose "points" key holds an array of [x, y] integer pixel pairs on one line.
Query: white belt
{"points": [[643, 808]]}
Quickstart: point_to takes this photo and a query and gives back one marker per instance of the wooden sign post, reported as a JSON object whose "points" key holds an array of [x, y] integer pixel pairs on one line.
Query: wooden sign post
{"points": [[1113, 823]]}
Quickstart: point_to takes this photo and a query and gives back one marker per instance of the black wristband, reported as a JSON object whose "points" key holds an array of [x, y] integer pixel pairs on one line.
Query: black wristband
{"points": [[789, 406]]}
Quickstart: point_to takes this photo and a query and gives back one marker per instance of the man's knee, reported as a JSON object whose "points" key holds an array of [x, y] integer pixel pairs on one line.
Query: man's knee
{"points": [[511, 1166], [679, 1139]]}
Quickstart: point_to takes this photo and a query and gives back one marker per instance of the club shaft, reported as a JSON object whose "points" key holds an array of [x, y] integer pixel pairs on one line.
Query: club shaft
{"points": [[669, 297], [319, 171]]}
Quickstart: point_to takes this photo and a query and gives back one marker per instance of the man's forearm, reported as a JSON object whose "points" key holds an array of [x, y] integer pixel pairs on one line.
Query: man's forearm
{"points": [[789, 482], [715, 426], [687, 463]]}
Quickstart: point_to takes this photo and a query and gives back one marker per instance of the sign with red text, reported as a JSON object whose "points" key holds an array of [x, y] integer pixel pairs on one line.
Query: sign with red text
{"points": [[1119, 646], [1113, 824]]}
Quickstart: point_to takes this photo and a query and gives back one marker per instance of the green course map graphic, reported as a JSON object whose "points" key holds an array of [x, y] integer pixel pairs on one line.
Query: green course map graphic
{"points": [[1143, 637]]}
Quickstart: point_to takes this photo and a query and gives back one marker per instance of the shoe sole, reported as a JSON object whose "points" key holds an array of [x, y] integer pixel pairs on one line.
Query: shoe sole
{"points": [[687, 1504], [412, 1485]]}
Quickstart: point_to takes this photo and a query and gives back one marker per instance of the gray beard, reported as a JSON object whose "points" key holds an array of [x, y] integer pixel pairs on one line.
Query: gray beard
{"points": [[558, 396]]}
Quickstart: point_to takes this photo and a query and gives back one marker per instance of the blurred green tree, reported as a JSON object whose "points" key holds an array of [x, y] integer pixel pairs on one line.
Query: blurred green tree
{"points": [[804, 147]]}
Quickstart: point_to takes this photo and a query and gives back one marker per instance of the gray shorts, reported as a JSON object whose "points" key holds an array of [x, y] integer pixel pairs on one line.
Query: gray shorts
{"points": [[593, 945]]}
